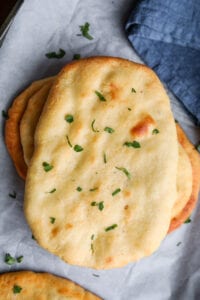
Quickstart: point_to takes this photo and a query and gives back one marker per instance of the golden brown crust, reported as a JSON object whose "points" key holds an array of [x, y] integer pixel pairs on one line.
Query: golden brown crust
{"points": [[41, 286], [12, 134], [195, 163]]}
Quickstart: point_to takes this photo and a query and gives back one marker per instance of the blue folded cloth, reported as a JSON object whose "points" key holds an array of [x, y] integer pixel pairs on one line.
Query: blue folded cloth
{"points": [[166, 34]]}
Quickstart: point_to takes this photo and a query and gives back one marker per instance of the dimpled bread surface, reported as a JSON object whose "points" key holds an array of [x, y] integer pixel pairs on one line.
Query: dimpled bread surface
{"points": [[123, 210]]}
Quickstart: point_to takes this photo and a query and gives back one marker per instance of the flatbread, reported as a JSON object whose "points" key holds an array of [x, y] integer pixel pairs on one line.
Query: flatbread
{"points": [[30, 118], [117, 217], [25, 285], [12, 134], [185, 210]]}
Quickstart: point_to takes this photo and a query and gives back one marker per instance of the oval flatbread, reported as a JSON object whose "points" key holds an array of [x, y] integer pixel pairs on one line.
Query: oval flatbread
{"points": [[102, 163], [40, 286], [184, 210], [30, 118], [12, 133]]}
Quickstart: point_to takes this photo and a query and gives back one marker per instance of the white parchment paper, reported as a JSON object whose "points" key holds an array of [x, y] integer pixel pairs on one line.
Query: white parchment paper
{"points": [[42, 26]]}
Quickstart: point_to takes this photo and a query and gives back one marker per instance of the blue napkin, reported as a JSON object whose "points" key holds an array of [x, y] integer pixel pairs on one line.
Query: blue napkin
{"points": [[166, 34]]}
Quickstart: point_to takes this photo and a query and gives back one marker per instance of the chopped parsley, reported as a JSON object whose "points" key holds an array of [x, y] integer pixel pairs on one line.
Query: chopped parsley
{"points": [[16, 289], [188, 220], [69, 118], [155, 131], [111, 227], [94, 189], [4, 114], [133, 144], [60, 54], [11, 260], [133, 90], [77, 56], [78, 148], [52, 220], [92, 236], [109, 129], [101, 97], [124, 170], [92, 126], [52, 191], [92, 248], [13, 195], [104, 158], [85, 31], [47, 167], [198, 147], [20, 258], [69, 143], [116, 192], [100, 205], [79, 189], [129, 108]]}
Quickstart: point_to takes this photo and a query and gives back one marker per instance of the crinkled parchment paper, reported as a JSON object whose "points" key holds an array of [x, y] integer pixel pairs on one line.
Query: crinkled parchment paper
{"points": [[172, 272]]}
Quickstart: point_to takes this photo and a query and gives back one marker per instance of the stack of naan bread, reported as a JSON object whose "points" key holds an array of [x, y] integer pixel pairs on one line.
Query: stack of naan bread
{"points": [[108, 172]]}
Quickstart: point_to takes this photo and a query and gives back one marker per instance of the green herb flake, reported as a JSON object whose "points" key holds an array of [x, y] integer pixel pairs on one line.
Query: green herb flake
{"points": [[68, 141], [47, 167], [101, 97], [176, 121], [79, 189], [116, 192], [52, 191], [52, 220], [92, 236], [111, 227], [85, 31], [33, 237], [104, 158], [109, 129], [16, 289], [76, 56], [100, 206], [124, 170], [198, 147], [19, 259], [92, 248], [129, 109], [133, 90], [188, 220], [9, 259], [94, 189], [58, 55], [69, 118], [13, 195], [155, 131], [178, 244], [78, 148], [92, 126], [133, 144], [4, 114]]}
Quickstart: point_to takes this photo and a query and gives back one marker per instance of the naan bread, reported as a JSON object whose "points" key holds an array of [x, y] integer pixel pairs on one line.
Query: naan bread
{"points": [[30, 118], [111, 203], [25, 285], [184, 176], [181, 210], [12, 134]]}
